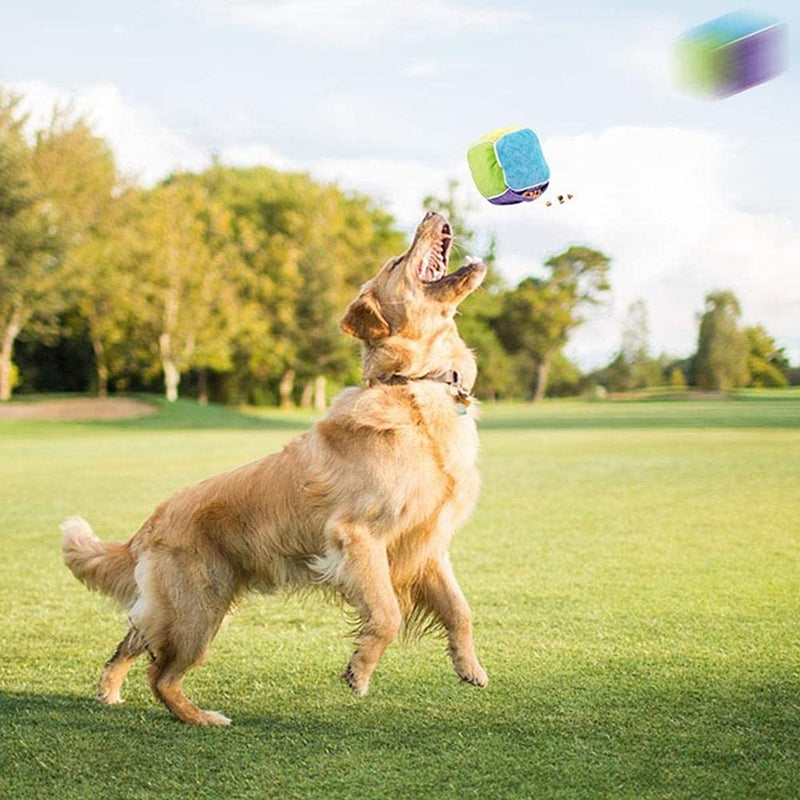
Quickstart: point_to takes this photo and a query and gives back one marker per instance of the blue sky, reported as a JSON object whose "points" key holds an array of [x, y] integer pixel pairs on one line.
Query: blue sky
{"points": [[685, 195]]}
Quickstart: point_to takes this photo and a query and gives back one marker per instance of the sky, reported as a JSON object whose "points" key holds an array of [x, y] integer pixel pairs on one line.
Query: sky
{"points": [[385, 97]]}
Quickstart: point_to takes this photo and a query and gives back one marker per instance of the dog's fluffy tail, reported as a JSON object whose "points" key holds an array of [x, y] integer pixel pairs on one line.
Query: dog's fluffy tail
{"points": [[105, 566]]}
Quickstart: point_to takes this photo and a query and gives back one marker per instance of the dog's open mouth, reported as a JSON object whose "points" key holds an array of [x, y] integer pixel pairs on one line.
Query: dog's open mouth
{"points": [[433, 266]]}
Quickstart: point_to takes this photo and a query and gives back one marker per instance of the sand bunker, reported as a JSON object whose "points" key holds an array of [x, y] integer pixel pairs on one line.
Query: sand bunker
{"points": [[79, 408]]}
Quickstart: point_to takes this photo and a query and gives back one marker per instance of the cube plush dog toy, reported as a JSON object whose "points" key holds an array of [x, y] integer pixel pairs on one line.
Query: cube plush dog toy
{"points": [[730, 54], [508, 166]]}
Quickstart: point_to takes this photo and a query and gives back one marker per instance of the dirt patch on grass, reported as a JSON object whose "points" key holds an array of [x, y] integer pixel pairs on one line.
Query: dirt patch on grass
{"points": [[79, 408]]}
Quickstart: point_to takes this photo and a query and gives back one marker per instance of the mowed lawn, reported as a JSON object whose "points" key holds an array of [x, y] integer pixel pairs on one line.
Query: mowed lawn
{"points": [[633, 568]]}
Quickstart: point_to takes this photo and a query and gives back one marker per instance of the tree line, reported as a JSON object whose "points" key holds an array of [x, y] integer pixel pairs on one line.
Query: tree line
{"points": [[228, 284], [728, 355], [231, 280], [520, 333]]}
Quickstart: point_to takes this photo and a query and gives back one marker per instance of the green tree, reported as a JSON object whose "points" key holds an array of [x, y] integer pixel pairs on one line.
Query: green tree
{"points": [[181, 257], [63, 183], [766, 362], [677, 380], [720, 362], [265, 222], [344, 241], [565, 378], [635, 332], [30, 245], [304, 249], [106, 289], [539, 315], [633, 368], [77, 172]]}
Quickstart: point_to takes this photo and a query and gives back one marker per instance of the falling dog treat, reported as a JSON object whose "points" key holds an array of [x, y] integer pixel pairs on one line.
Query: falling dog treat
{"points": [[561, 199]]}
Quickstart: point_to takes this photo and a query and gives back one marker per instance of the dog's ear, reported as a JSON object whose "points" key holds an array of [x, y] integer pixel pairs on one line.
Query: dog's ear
{"points": [[363, 318]]}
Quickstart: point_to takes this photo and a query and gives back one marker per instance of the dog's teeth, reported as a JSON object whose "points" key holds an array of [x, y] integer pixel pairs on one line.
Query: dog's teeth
{"points": [[433, 266]]}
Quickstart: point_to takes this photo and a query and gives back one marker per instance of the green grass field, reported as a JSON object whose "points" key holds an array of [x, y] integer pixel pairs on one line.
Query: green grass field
{"points": [[633, 567]]}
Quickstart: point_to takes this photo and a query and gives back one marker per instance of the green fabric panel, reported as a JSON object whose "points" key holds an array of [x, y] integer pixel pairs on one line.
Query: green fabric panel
{"points": [[486, 172], [698, 64], [494, 135]]}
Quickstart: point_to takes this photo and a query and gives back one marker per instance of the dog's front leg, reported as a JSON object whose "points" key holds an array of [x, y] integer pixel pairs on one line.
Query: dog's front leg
{"points": [[367, 585], [439, 591]]}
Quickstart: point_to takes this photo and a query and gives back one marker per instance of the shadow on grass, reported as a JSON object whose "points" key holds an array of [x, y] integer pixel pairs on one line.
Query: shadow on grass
{"points": [[571, 740]]}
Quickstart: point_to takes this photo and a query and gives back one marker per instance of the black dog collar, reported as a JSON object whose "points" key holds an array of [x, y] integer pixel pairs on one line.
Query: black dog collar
{"points": [[451, 378]]}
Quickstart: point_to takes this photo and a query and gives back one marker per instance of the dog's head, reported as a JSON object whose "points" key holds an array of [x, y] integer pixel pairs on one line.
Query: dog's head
{"points": [[405, 313]]}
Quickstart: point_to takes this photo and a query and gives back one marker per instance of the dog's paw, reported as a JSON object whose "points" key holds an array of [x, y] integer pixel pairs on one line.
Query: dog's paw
{"points": [[213, 718], [109, 698], [475, 675], [357, 684]]}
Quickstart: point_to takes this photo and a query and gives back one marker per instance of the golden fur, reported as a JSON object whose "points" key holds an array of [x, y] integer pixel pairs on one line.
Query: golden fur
{"points": [[366, 502]]}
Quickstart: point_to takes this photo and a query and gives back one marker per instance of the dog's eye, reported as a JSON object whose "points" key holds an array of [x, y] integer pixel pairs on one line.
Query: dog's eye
{"points": [[395, 263]]}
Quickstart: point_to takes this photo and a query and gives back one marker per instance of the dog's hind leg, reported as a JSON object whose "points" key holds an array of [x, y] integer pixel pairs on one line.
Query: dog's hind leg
{"points": [[184, 608], [365, 571], [166, 681], [438, 591], [128, 650]]}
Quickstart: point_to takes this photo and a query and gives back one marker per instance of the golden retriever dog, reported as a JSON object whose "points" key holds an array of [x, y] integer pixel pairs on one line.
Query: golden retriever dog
{"points": [[364, 503]]}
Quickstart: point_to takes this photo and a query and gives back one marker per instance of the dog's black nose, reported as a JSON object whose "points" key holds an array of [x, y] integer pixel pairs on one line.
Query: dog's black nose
{"points": [[428, 216]]}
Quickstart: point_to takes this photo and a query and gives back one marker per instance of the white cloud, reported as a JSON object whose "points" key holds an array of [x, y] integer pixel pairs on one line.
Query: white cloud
{"points": [[355, 120], [648, 55], [398, 185], [431, 68], [146, 148], [346, 23], [149, 150], [254, 154], [662, 203]]}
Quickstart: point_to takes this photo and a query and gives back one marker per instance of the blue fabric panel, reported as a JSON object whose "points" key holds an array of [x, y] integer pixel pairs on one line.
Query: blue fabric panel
{"points": [[520, 155]]}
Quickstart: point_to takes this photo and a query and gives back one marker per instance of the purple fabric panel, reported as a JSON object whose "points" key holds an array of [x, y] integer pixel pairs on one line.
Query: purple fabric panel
{"points": [[753, 60], [508, 198]]}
